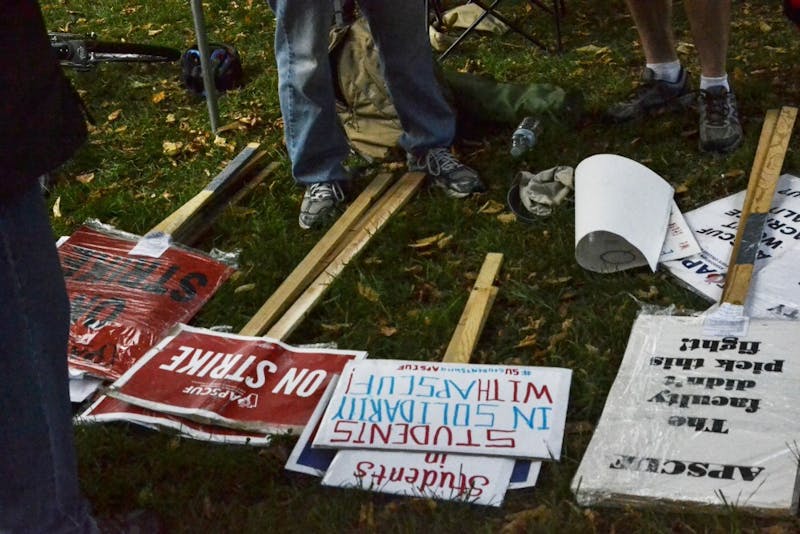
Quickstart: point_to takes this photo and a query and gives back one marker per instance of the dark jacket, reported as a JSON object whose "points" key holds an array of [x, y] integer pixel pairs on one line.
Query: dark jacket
{"points": [[41, 118]]}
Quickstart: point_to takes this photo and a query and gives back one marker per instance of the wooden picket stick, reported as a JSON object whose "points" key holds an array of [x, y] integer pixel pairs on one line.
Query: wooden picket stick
{"points": [[223, 183], [316, 260], [473, 318], [373, 221], [767, 164], [194, 228]]}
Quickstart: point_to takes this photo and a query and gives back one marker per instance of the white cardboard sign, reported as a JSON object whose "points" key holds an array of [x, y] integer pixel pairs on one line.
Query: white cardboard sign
{"points": [[622, 211], [477, 480], [715, 226], [490, 410], [692, 419]]}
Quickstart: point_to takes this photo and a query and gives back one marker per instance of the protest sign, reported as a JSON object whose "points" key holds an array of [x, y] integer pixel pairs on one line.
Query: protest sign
{"points": [[697, 419], [121, 305], [108, 409], [492, 410], [715, 226], [250, 383], [478, 480], [622, 212]]}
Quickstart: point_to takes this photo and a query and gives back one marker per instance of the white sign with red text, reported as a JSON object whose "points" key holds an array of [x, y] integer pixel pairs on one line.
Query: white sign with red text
{"points": [[459, 477], [490, 410]]}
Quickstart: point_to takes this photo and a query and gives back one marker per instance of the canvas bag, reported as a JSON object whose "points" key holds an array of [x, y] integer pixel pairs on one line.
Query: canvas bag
{"points": [[370, 119]]}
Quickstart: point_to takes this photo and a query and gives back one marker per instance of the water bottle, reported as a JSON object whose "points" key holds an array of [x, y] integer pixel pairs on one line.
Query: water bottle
{"points": [[524, 136]]}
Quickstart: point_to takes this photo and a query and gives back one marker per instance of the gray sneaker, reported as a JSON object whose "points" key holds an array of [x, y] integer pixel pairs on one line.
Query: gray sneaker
{"points": [[652, 97], [319, 203], [446, 172], [720, 129]]}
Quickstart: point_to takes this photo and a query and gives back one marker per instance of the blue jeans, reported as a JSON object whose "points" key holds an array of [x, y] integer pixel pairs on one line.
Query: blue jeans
{"points": [[38, 472], [315, 140]]}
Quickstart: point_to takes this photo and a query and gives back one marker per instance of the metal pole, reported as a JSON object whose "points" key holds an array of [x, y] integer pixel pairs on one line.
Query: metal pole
{"points": [[208, 79]]}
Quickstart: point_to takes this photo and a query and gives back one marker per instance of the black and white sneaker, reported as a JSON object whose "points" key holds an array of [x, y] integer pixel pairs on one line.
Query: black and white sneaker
{"points": [[652, 97], [446, 172], [319, 204]]}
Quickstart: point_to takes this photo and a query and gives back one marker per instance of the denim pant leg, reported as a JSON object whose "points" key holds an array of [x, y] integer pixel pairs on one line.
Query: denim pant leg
{"points": [[401, 33], [315, 139], [39, 489]]}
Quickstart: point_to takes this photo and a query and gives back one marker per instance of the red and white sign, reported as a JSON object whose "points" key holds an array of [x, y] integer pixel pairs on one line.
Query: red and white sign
{"points": [[121, 305], [250, 383], [107, 409]]}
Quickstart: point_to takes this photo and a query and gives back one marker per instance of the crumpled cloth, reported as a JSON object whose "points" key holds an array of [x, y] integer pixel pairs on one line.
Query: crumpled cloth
{"points": [[536, 194]]}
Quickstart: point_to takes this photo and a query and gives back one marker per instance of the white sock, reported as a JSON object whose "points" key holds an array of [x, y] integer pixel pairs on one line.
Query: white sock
{"points": [[707, 81], [668, 72]]}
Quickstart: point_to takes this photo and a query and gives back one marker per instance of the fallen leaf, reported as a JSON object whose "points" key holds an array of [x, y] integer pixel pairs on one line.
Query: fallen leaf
{"points": [[335, 327], [158, 97], [170, 118], [733, 174], [172, 148], [443, 242], [492, 207], [220, 141], [154, 32], [593, 49], [85, 178], [764, 27], [57, 208], [388, 331], [114, 115], [427, 241], [368, 293], [528, 341], [507, 218], [244, 288]]}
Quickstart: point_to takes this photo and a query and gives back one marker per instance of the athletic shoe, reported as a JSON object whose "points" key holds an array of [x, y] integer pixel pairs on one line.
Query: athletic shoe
{"points": [[652, 97], [319, 203], [446, 172], [720, 129]]}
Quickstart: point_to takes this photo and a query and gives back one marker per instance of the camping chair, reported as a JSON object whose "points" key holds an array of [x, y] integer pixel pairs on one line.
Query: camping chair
{"points": [[557, 11]]}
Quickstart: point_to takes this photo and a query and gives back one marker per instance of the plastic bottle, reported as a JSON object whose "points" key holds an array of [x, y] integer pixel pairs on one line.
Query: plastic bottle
{"points": [[524, 136]]}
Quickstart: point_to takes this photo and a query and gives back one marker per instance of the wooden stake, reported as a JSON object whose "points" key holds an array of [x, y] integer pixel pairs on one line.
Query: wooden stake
{"points": [[223, 182], [373, 221], [316, 260], [473, 318], [767, 164]]}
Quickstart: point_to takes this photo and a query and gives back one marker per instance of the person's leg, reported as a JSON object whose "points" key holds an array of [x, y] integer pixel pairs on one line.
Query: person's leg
{"points": [[710, 22], [428, 121], [653, 20], [314, 137], [720, 128], [39, 490], [399, 31]]}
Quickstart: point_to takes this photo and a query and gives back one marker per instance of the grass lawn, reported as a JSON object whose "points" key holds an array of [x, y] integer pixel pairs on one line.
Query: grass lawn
{"points": [[396, 301]]}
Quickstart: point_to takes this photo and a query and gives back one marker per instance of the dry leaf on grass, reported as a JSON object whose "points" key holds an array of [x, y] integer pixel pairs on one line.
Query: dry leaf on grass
{"points": [[85, 178], [388, 331], [507, 218], [158, 97], [368, 293], [244, 288], [427, 241], [114, 115], [57, 208]]}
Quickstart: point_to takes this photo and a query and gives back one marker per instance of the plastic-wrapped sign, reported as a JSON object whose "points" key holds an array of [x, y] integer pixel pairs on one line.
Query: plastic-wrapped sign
{"points": [[694, 419], [121, 304], [250, 383]]}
